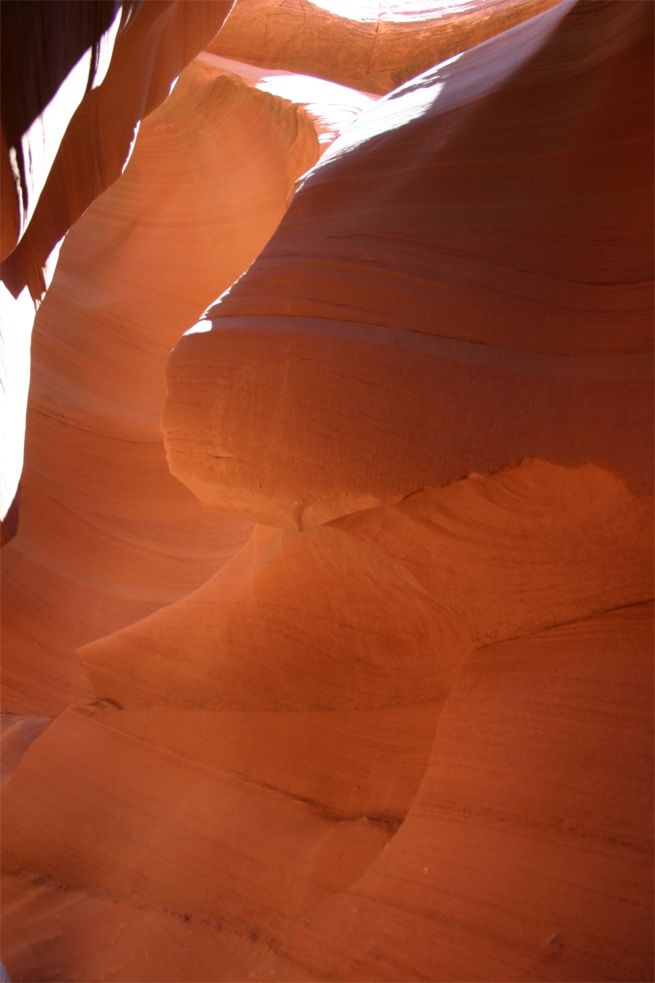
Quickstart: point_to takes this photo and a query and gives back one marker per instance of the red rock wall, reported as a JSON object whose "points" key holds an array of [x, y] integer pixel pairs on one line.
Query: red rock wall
{"points": [[400, 729], [69, 120], [372, 46], [106, 534], [429, 292]]}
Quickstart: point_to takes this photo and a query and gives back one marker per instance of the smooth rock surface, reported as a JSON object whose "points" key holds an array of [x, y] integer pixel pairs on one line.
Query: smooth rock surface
{"points": [[275, 776], [401, 728], [77, 78], [463, 280], [106, 534]]}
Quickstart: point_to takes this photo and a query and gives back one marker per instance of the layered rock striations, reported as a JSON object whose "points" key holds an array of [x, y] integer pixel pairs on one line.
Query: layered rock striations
{"points": [[77, 78], [362, 751], [493, 296], [368, 44], [106, 534], [400, 728]]}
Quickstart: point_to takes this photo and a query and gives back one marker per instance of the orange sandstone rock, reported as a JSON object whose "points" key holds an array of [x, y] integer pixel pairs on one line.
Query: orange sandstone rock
{"points": [[16, 734], [107, 535], [330, 106], [527, 853], [77, 78], [404, 731], [369, 45], [462, 281], [312, 764]]}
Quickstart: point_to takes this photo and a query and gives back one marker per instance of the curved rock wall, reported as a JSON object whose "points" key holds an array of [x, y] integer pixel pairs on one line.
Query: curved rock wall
{"points": [[361, 751], [400, 729], [69, 120], [459, 268], [371, 46], [106, 534]]}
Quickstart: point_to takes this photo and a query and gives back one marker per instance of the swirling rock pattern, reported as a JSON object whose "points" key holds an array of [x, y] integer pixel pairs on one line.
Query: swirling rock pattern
{"points": [[371, 45], [400, 729], [107, 535], [468, 313], [283, 745], [69, 120]]}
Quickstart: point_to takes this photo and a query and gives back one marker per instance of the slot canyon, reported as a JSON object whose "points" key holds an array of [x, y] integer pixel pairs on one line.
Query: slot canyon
{"points": [[326, 486]]}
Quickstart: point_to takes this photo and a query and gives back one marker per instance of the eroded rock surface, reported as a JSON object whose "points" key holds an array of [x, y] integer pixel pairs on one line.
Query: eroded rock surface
{"points": [[371, 45], [106, 534], [400, 728], [77, 78], [306, 760], [429, 292]]}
